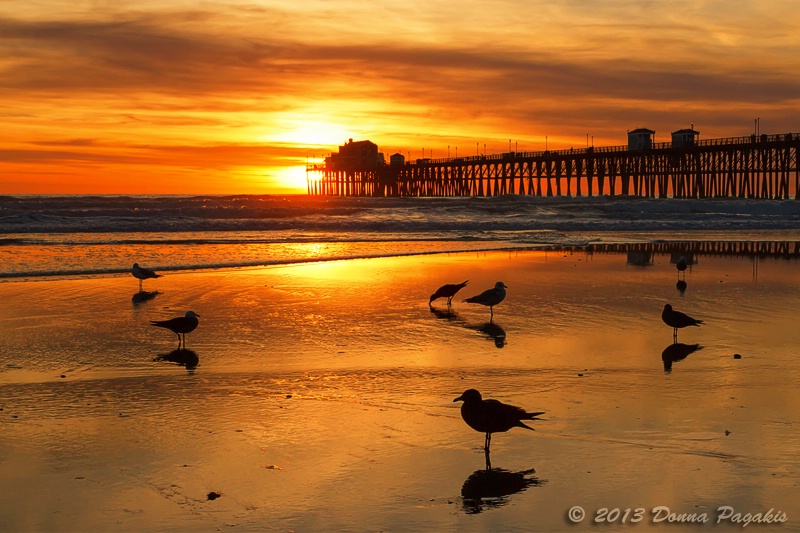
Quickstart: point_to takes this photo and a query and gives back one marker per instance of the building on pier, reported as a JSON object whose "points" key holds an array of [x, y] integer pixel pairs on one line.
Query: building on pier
{"points": [[355, 155], [685, 137], [640, 139]]}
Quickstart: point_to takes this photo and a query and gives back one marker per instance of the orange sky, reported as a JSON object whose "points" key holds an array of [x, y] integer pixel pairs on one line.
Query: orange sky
{"points": [[172, 96]]}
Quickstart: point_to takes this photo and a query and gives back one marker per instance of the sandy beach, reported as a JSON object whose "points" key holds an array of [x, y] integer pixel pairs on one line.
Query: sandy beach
{"points": [[319, 397]]}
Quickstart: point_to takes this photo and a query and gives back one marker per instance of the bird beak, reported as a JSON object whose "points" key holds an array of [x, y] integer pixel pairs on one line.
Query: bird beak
{"points": [[459, 399]]}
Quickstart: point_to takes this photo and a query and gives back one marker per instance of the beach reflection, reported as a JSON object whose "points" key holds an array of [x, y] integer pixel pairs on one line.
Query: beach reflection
{"points": [[143, 296], [681, 286], [181, 357], [491, 488], [677, 352], [445, 314], [492, 330], [339, 404]]}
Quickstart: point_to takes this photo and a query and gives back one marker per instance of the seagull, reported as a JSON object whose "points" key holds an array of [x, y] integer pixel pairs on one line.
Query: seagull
{"points": [[180, 325], [490, 297], [142, 273], [676, 319], [447, 291], [492, 416]]}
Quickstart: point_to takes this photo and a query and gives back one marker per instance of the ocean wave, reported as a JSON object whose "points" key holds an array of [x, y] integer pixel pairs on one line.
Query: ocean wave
{"points": [[46, 273], [100, 235], [126, 214]]}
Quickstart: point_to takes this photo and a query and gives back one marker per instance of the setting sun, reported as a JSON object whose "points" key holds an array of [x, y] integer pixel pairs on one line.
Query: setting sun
{"points": [[291, 178]]}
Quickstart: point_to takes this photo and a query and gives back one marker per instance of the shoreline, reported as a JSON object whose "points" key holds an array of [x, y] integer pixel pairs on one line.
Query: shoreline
{"points": [[610, 238]]}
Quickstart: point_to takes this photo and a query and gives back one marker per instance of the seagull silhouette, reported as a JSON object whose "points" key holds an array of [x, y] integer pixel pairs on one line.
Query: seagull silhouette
{"points": [[447, 291], [490, 297], [676, 319], [142, 273], [180, 325], [492, 416]]}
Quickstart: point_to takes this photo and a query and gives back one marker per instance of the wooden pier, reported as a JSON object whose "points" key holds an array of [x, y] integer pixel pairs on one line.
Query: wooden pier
{"points": [[756, 166]]}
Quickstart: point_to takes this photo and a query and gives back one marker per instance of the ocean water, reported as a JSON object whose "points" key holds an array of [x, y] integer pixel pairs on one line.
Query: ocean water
{"points": [[104, 235]]}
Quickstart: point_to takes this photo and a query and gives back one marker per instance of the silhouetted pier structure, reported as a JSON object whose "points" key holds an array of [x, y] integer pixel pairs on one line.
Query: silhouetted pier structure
{"points": [[752, 249], [755, 166]]}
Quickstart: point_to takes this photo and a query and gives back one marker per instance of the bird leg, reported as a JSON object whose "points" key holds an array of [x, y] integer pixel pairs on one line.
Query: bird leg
{"points": [[487, 442], [488, 459]]}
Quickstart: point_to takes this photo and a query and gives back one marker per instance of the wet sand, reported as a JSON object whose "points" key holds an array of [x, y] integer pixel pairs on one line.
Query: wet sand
{"points": [[318, 397]]}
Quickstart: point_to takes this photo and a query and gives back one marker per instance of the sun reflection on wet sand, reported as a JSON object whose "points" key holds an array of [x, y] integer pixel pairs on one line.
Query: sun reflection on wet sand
{"points": [[320, 395]]}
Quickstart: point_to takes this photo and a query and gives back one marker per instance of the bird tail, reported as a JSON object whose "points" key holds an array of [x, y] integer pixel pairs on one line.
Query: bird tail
{"points": [[529, 416], [698, 322]]}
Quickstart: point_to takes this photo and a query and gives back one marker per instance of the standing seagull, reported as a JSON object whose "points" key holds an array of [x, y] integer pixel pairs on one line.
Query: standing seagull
{"points": [[492, 416], [447, 291], [142, 273], [180, 325], [490, 297], [676, 319]]}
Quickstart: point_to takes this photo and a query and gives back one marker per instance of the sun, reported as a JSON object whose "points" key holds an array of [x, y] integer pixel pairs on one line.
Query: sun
{"points": [[293, 178]]}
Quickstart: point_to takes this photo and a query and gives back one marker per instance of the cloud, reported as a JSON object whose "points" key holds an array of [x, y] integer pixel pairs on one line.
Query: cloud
{"points": [[155, 54], [164, 87]]}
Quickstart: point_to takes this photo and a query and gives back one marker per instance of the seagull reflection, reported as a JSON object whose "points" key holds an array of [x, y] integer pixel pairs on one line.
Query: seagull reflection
{"points": [[680, 266], [445, 314], [681, 286], [489, 489], [143, 296], [494, 332], [181, 357], [677, 352]]}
